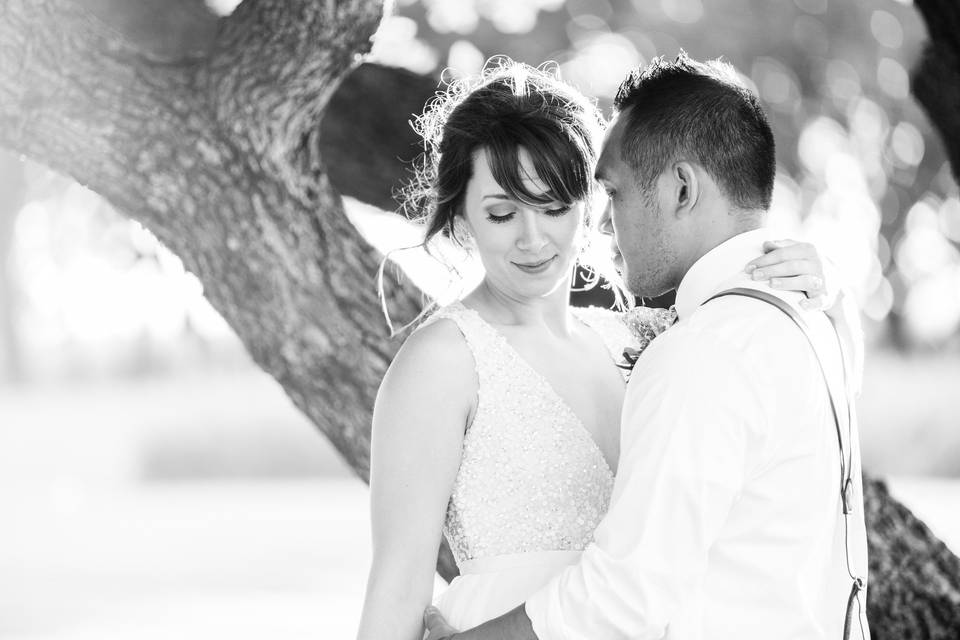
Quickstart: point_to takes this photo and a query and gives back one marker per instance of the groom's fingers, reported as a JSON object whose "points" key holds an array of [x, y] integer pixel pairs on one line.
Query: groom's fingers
{"points": [[437, 626]]}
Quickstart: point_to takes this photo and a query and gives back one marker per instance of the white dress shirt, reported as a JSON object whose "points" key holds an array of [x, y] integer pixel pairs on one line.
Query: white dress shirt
{"points": [[725, 516]]}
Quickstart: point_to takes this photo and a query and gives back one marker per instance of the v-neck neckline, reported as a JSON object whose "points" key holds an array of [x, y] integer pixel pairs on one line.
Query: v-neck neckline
{"points": [[546, 384]]}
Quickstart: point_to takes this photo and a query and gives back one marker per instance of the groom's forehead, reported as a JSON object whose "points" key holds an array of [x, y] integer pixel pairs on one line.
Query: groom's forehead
{"points": [[610, 152]]}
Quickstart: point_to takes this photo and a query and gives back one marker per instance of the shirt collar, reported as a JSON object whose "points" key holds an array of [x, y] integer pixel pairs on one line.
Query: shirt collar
{"points": [[717, 266]]}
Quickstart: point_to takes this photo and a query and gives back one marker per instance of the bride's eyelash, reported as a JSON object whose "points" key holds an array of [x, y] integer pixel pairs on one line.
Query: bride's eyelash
{"points": [[556, 213], [499, 219]]}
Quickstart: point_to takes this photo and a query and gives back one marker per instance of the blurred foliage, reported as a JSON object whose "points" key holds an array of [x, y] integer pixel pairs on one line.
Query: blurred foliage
{"points": [[861, 171]]}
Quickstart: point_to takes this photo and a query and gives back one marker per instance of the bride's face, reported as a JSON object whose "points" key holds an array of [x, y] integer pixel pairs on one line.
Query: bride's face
{"points": [[527, 251]]}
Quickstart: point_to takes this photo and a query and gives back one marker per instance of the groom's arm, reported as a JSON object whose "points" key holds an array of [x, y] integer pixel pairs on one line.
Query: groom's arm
{"points": [[513, 625], [691, 419], [687, 424]]}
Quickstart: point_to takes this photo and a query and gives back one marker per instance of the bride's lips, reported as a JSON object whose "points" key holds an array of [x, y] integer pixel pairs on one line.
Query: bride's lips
{"points": [[535, 267]]}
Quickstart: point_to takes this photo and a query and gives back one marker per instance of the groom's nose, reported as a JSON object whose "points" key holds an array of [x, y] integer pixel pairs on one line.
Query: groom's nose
{"points": [[605, 224]]}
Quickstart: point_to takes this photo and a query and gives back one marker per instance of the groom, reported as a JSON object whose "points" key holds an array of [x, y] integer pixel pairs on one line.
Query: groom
{"points": [[726, 516]]}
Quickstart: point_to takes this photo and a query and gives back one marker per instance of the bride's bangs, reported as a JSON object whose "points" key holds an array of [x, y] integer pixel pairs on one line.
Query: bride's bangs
{"points": [[558, 163]]}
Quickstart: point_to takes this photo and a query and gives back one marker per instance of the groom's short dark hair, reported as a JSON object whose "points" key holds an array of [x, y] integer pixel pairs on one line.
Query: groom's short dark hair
{"points": [[702, 111]]}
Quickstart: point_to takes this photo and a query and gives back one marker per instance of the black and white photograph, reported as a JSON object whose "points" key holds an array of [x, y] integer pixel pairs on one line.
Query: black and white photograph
{"points": [[479, 319]]}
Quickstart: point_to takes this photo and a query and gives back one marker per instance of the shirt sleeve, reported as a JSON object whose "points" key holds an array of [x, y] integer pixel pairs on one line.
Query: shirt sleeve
{"points": [[692, 420]]}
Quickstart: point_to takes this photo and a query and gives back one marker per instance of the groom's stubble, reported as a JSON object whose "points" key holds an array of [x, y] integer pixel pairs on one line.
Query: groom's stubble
{"points": [[645, 229]]}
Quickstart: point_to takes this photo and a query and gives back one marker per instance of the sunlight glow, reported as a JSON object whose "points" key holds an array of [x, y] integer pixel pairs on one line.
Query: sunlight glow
{"points": [[600, 62], [95, 285], [395, 44]]}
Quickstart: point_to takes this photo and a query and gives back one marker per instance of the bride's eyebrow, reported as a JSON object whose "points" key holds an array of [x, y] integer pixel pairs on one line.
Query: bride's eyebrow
{"points": [[496, 196]]}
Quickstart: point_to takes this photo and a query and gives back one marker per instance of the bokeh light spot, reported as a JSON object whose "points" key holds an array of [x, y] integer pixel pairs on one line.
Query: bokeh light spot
{"points": [[682, 11], [775, 82], [932, 307], [886, 28], [464, 59], [599, 64], [843, 81], [512, 17], [893, 78], [906, 141], [821, 138], [396, 44], [452, 16], [950, 218], [879, 303]]}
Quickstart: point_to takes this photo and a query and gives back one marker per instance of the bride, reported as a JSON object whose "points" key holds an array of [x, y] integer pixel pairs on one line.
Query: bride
{"points": [[497, 424]]}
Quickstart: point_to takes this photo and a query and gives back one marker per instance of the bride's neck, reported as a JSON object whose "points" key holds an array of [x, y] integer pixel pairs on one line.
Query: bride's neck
{"points": [[550, 311]]}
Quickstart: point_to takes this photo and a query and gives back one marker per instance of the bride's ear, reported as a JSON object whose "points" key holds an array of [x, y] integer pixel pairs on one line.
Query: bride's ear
{"points": [[687, 187]]}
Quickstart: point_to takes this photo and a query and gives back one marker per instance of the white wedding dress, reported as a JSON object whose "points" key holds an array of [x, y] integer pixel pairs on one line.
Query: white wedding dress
{"points": [[532, 484]]}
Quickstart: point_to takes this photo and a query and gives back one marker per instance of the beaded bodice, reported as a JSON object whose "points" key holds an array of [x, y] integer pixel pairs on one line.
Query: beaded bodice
{"points": [[531, 477]]}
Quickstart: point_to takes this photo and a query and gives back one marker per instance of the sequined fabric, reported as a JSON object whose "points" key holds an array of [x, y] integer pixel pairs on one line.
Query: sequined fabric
{"points": [[531, 477]]}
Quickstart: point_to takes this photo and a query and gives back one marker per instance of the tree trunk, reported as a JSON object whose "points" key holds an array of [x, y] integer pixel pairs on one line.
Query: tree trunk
{"points": [[12, 191], [221, 156]]}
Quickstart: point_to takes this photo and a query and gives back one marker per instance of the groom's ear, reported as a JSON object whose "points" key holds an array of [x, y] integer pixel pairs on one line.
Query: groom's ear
{"points": [[686, 187]]}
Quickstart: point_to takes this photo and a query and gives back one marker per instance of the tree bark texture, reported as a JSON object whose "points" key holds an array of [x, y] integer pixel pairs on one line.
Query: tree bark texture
{"points": [[914, 578], [223, 156]]}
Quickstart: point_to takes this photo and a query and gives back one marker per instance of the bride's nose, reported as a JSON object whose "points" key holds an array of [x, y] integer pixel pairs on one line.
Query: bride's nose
{"points": [[531, 238]]}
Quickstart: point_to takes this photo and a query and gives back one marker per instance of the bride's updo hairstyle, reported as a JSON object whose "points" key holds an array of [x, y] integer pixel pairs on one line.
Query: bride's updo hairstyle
{"points": [[510, 106]]}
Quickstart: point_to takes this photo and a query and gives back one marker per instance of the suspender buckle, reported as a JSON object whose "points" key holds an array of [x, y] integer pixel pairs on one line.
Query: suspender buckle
{"points": [[853, 608], [846, 496]]}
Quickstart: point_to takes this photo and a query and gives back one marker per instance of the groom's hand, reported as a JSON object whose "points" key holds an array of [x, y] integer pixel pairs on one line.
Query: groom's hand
{"points": [[437, 626]]}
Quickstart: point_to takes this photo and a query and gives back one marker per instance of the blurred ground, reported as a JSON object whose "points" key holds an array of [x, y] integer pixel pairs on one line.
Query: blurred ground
{"points": [[205, 506]]}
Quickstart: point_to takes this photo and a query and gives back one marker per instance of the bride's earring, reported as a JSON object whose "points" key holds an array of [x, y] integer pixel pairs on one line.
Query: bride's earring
{"points": [[461, 234]]}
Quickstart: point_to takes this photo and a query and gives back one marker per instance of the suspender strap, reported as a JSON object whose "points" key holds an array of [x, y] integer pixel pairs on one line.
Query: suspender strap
{"points": [[846, 450]]}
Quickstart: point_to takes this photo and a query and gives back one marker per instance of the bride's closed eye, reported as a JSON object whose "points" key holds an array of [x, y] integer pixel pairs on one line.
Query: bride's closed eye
{"points": [[499, 215], [558, 211]]}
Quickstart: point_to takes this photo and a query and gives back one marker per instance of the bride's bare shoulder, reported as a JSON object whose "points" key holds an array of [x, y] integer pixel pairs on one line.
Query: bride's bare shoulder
{"points": [[431, 381], [437, 349]]}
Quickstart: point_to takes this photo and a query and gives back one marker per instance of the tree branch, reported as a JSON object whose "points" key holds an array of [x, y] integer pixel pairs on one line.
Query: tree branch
{"points": [[268, 76], [366, 136], [75, 94]]}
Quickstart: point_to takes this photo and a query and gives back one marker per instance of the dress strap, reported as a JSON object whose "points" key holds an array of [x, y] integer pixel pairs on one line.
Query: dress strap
{"points": [[486, 345], [471, 326]]}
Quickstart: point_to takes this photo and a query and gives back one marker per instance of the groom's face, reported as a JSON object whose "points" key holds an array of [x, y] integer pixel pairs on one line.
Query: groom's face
{"points": [[643, 243]]}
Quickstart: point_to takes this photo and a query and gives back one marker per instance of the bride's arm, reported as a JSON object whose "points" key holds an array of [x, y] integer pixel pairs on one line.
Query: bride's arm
{"points": [[424, 403]]}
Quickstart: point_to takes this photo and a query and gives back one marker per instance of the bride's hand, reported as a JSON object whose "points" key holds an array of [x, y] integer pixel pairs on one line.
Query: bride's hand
{"points": [[795, 266]]}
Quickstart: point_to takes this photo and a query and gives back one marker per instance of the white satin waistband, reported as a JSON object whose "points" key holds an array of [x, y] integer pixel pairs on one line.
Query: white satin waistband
{"points": [[519, 561]]}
